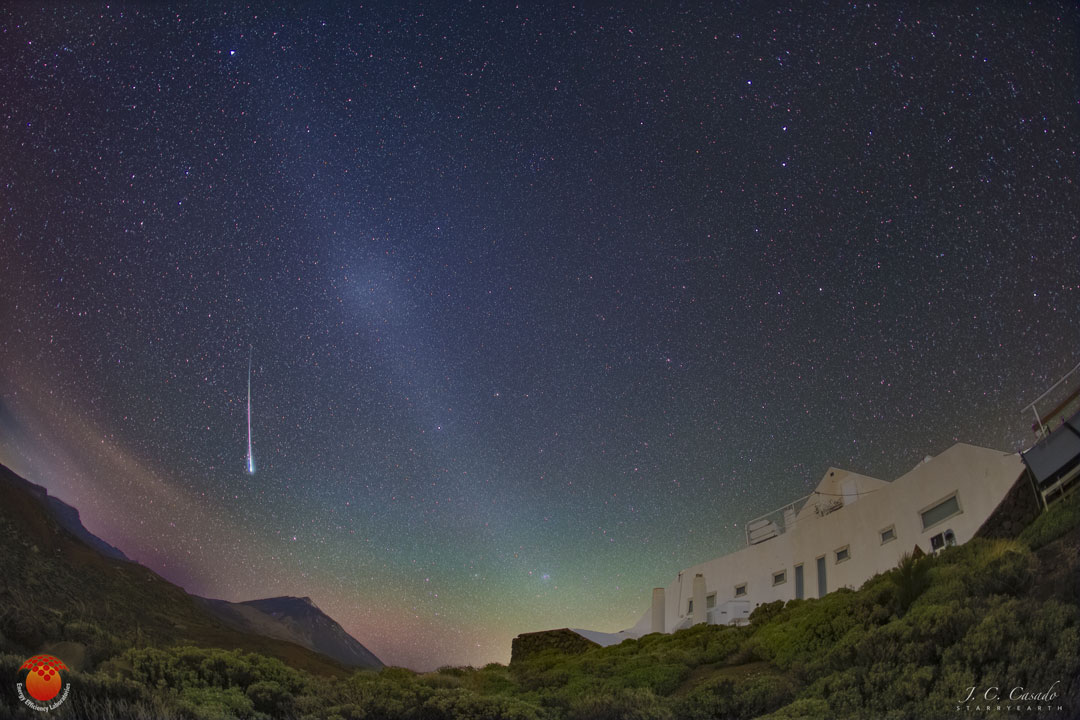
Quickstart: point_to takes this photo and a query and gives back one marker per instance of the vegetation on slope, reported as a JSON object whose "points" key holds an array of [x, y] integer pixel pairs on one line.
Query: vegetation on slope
{"points": [[909, 643], [55, 588]]}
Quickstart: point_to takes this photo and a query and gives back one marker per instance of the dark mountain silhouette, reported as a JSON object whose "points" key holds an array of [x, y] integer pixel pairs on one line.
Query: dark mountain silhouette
{"points": [[297, 620], [64, 585], [68, 518]]}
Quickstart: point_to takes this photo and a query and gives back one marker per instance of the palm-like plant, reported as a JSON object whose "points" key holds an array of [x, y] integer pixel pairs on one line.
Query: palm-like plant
{"points": [[911, 578]]}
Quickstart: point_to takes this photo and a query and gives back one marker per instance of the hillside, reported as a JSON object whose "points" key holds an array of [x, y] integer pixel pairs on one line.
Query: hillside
{"points": [[297, 620], [57, 589], [911, 643]]}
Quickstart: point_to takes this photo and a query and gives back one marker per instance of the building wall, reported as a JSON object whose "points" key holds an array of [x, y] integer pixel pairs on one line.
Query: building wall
{"points": [[981, 478]]}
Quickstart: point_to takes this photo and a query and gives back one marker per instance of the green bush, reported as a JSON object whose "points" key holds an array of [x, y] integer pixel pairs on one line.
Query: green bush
{"points": [[461, 705], [721, 645], [624, 704], [271, 698], [802, 634], [801, 709], [214, 703], [762, 693], [910, 578], [660, 678], [1006, 567], [766, 612], [1020, 642], [440, 680], [1055, 521], [390, 693], [712, 699]]}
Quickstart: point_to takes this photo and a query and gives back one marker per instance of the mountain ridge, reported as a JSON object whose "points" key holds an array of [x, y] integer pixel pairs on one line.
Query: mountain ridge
{"points": [[62, 577], [298, 620]]}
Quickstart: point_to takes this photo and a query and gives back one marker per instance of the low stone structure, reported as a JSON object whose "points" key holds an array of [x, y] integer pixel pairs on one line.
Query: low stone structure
{"points": [[565, 641]]}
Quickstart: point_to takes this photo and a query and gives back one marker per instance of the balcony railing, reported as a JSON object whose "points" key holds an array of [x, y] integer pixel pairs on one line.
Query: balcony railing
{"points": [[774, 523]]}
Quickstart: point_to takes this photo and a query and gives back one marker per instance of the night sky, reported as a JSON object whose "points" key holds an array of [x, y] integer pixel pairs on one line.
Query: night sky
{"points": [[543, 302]]}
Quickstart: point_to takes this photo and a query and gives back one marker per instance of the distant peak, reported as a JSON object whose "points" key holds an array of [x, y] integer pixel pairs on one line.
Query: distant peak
{"points": [[282, 602]]}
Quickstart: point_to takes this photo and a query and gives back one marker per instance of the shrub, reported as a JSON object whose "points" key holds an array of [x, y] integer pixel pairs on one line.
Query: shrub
{"points": [[1005, 567], [390, 693], [762, 693], [801, 709], [270, 698], [439, 680], [1058, 519], [721, 645], [461, 705], [766, 612], [492, 679], [804, 632], [1018, 642], [910, 578], [213, 703], [713, 699], [624, 704], [660, 678]]}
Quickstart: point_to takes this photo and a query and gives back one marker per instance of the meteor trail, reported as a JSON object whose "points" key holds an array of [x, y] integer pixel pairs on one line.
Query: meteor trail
{"points": [[250, 457]]}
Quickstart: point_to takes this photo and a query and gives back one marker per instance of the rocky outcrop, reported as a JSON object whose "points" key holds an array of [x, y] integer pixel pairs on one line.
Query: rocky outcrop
{"points": [[1014, 513], [565, 641]]}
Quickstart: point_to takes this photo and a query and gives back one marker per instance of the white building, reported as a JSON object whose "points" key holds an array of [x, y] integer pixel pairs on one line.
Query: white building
{"points": [[849, 529]]}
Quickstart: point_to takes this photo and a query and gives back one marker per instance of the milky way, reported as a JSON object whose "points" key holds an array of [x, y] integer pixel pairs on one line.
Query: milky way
{"points": [[549, 300]]}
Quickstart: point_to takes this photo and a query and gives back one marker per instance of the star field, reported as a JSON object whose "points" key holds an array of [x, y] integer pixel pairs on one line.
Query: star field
{"points": [[544, 301]]}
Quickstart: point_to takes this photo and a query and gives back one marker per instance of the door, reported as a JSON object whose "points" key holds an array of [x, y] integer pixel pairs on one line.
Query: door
{"points": [[821, 584], [798, 582]]}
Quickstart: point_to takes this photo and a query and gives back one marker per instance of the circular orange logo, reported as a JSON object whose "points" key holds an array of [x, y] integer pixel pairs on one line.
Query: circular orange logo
{"points": [[43, 680]]}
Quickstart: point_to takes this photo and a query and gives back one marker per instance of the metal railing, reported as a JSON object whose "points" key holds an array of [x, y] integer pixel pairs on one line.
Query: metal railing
{"points": [[775, 522], [1042, 423]]}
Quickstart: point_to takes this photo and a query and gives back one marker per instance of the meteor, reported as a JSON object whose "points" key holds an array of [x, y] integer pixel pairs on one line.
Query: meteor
{"points": [[250, 457]]}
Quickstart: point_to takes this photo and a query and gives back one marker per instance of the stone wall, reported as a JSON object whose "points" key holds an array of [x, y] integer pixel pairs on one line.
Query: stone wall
{"points": [[566, 641], [1015, 512]]}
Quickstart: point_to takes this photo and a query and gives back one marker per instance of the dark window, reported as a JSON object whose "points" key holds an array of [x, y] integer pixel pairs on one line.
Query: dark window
{"points": [[942, 511]]}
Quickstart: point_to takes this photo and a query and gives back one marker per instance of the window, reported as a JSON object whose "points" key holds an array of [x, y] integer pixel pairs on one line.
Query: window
{"points": [[942, 540], [843, 554], [888, 534], [690, 607], [940, 511], [779, 578], [710, 601], [740, 590]]}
